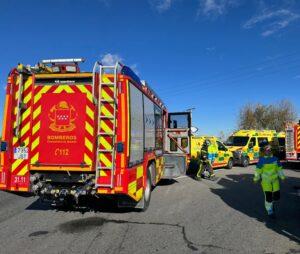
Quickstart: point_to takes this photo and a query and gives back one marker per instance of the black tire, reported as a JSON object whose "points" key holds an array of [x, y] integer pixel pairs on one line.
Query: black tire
{"points": [[144, 203], [245, 162], [230, 164], [152, 170]]}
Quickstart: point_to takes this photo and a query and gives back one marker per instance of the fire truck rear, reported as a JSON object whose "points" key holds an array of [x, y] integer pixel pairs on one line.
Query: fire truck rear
{"points": [[69, 134], [293, 142]]}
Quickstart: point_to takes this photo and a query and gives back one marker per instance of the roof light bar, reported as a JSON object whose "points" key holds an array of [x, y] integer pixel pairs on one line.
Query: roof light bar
{"points": [[67, 60]]}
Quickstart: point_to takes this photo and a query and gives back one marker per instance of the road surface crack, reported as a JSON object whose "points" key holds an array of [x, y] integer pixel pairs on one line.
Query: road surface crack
{"points": [[80, 225]]}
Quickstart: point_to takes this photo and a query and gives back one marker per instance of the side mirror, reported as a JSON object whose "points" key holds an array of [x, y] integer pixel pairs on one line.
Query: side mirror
{"points": [[3, 146], [194, 129]]}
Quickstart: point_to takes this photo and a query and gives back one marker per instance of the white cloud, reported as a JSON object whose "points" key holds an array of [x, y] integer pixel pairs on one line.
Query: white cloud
{"points": [[215, 8], [161, 5], [273, 21], [111, 59]]}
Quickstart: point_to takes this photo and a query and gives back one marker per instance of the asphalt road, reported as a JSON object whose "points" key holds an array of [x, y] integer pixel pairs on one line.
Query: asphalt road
{"points": [[185, 216]]}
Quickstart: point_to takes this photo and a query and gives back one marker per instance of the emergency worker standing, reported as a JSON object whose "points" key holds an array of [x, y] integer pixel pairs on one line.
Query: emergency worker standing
{"points": [[207, 158], [269, 171]]}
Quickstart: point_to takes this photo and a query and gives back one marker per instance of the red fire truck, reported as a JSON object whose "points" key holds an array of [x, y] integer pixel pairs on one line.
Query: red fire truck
{"points": [[69, 134], [293, 142]]}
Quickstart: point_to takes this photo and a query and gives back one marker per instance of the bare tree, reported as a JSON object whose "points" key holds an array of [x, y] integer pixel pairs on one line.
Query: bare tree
{"points": [[272, 117]]}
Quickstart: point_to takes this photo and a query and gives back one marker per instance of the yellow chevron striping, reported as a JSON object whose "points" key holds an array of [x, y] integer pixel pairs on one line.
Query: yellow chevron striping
{"points": [[89, 128], [68, 89], [104, 126], [139, 194], [25, 129], [139, 172], [37, 112], [27, 83], [103, 173], [27, 98], [38, 96], [105, 95], [90, 112], [106, 144], [26, 142], [106, 80], [36, 127], [105, 161], [83, 89], [105, 111], [35, 158], [16, 164], [87, 159], [35, 143], [132, 187], [65, 88], [59, 89], [26, 113], [23, 171], [88, 144]]}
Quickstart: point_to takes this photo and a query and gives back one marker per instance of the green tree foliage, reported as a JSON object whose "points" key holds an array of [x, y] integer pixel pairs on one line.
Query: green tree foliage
{"points": [[267, 117]]}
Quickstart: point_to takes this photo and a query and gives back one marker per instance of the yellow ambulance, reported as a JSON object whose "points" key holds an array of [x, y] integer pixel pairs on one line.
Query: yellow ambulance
{"points": [[224, 157], [246, 144]]}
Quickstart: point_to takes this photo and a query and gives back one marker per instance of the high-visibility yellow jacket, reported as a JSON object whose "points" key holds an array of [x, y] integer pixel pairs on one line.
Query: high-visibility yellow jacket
{"points": [[269, 170]]}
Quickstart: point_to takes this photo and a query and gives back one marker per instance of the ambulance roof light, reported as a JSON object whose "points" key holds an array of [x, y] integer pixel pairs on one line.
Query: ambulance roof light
{"points": [[66, 60]]}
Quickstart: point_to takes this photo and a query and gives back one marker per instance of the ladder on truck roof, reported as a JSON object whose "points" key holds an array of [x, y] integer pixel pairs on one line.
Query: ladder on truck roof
{"points": [[106, 118]]}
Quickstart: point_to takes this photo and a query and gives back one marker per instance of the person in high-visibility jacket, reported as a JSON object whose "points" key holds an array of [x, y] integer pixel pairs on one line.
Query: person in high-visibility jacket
{"points": [[269, 171], [206, 160]]}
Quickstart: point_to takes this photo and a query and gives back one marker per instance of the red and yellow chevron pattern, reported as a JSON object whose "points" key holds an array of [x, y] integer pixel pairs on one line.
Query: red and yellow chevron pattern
{"points": [[20, 167], [136, 183], [106, 128], [89, 123]]}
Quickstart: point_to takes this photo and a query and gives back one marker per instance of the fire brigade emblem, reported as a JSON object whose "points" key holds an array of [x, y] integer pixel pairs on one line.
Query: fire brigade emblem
{"points": [[62, 116]]}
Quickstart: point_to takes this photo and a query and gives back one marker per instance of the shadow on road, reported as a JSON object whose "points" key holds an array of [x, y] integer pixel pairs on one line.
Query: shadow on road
{"points": [[240, 193], [166, 182], [97, 205]]}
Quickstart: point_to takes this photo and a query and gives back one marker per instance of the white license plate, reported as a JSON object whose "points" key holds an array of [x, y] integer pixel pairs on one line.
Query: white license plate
{"points": [[21, 153]]}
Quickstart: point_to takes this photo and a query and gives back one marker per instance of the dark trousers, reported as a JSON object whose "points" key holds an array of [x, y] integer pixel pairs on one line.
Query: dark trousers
{"points": [[272, 196]]}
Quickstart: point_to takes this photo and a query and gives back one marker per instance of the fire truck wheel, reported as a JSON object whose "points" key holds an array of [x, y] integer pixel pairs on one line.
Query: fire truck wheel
{"points": [[152, 174], [144, 203], [245, 162], [230, 164]]}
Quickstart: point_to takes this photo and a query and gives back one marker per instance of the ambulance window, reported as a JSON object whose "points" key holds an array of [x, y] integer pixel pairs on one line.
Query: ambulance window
{"points": [[221, 147], [263, 141], [136, 126], [253, 141]]}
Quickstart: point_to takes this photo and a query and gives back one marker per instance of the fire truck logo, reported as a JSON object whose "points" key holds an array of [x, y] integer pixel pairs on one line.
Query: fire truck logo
{"points": [[62, 116]]}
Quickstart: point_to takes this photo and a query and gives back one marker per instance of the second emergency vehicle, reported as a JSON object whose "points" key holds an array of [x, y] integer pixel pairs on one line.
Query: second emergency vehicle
{"points": [[246, 144], [224, 157]]}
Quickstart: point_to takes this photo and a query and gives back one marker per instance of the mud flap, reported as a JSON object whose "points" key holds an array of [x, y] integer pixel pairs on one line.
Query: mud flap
{"points": [[175, 165]]}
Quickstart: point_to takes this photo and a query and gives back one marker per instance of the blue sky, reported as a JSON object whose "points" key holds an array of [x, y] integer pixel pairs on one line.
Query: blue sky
{"points": [[213, 55]]}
